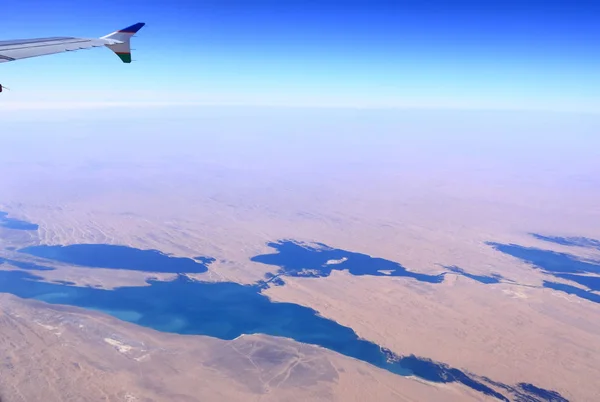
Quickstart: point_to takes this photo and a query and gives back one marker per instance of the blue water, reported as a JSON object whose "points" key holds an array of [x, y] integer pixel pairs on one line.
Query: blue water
{"points": [[573, 290], [26, 265], [15, 224], [524, 392], [560, 265], [302, 260], [119, 257], [590, 282], [544, 394], [227, 310], [549, 261], [295, 259]]}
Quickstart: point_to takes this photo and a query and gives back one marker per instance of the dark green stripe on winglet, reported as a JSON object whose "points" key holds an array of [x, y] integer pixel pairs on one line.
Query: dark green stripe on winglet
{"points": [[125, 57]]}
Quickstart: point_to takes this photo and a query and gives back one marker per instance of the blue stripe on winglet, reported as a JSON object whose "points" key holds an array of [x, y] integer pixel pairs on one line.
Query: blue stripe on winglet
{"points": [[134, 28]]}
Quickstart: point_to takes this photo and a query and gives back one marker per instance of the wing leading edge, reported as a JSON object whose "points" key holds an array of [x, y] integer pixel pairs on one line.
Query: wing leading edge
{"points": [[118, 42]]}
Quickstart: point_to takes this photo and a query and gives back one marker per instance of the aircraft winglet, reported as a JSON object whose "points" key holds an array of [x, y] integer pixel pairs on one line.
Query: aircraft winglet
{"points": [[133, 29], [122, 38]]}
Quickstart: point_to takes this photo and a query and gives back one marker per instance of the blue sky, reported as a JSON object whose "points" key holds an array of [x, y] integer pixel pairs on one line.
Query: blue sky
{"points": [[358, 53]]}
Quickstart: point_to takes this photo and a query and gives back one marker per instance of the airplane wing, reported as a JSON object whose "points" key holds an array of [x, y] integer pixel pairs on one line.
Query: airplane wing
{"points": [[118, 42]]}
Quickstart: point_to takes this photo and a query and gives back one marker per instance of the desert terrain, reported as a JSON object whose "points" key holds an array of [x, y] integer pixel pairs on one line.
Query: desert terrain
{"points": [[54, 353], [403, 194]]}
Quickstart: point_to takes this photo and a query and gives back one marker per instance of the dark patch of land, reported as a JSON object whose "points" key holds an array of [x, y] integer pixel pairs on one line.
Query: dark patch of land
{"points": [[585, 242], [487, 280]]}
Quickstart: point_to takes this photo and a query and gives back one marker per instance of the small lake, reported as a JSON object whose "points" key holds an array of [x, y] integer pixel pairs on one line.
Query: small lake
{"points": [[549, 261], [561, 265], [119, 257], [15, 224], [295, 259], [573, 290], [303, 260]]}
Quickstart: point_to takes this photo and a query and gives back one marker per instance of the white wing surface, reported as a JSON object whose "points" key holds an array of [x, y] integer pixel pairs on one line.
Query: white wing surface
{"points": [[118, 42]]}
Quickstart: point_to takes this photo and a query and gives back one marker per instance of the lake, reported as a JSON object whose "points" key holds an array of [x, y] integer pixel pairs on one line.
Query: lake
{"points": [[119, 257], [15, 224], [319, 260], [561, 265], [227, 310]]}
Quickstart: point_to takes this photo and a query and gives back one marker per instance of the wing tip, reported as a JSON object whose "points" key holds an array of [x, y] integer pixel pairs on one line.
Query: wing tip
{"points": [[133, 28]]}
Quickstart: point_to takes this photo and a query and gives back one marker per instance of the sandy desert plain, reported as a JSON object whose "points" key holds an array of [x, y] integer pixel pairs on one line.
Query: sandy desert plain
{"points": [[426, 193]]}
